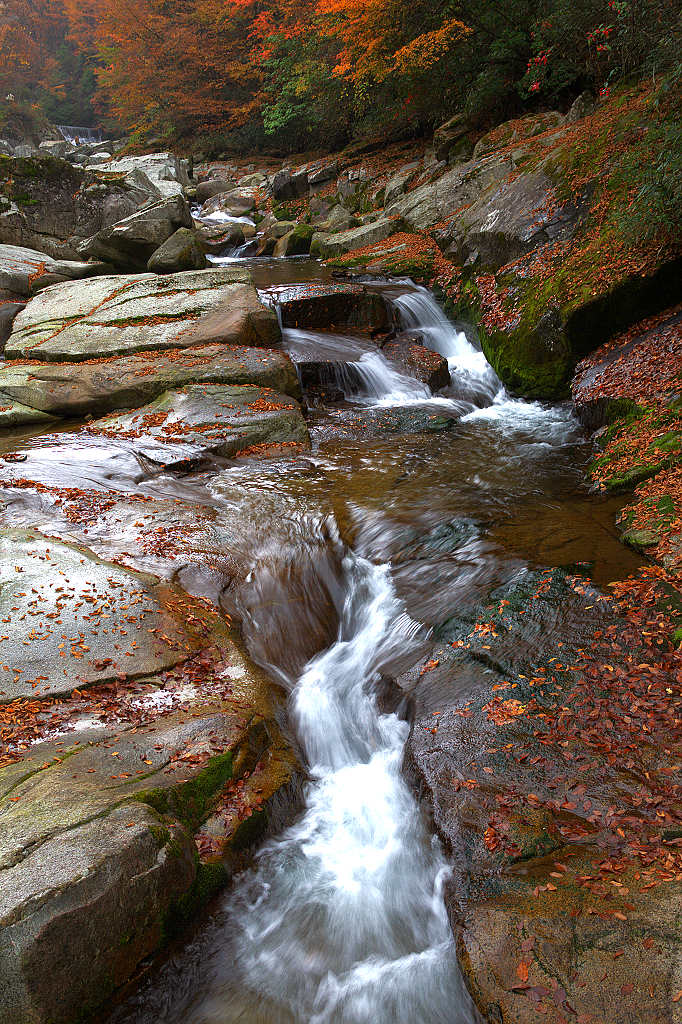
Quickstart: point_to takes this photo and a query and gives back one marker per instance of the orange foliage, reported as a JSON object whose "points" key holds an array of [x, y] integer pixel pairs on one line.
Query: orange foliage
{"points": [[382, 37], [171, 64]]}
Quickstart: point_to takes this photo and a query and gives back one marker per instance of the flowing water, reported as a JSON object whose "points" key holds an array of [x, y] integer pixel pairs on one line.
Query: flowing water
{"points": [[410, 508]]}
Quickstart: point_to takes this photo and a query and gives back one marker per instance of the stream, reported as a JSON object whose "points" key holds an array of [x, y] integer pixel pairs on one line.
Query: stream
{"points": [[410, 506]]}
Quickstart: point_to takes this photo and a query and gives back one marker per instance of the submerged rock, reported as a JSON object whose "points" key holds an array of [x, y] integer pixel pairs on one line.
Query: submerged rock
{"points": [[110, 316]]}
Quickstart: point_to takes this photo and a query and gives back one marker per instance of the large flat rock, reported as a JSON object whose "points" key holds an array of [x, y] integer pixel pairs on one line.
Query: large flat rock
{"points": [[202, 419], [70, 620], [164, 170], [119, 315], [99, 386], [21, 269], [331, 306]]}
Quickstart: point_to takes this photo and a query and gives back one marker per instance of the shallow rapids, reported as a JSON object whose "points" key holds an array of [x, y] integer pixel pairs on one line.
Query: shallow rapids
{"points": [[343, 918]]}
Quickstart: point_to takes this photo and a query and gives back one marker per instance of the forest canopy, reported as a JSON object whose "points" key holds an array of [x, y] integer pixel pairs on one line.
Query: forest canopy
{"points": [[299, 74]]}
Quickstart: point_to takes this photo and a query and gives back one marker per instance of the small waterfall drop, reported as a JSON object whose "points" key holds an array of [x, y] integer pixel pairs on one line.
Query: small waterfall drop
{"points": [[470, 371]]}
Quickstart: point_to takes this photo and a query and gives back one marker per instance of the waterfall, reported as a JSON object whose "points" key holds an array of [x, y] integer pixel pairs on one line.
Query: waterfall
{"points": [[471, 373], [72, 133]]}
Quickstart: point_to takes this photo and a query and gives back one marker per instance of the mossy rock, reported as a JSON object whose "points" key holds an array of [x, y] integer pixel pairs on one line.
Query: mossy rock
{"points": [[535, 362], [300, 239]]}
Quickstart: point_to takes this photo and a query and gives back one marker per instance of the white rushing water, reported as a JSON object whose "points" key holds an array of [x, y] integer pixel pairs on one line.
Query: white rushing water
{"points": [[469, 369], [343, 919]]}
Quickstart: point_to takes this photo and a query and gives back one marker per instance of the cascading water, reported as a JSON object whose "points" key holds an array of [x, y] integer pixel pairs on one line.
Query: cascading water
{"points": [[471, 373], [343, 919]]}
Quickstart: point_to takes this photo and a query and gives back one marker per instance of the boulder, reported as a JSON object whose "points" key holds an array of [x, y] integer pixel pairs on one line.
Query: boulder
{"points": [[434, 201], [113, 835], [96, 387], [409, 354], [337, 219], [182, 251], [352, 184], [505, 135], [141, 187], [165, 170], [254, 180], [61, 149], [215, 238], [602, 388], [318, 177], [280, 228], [131, 242], [452, 140], [534, 336], [8, 312], [213, 187], [236, 203], [509, 220], [184, 426], [52, 206], [338, 243], [296, 242], [110, 316], [554, 914], [288, 184], [582, 106], [16, 414], [22, 270], [333, 306]]}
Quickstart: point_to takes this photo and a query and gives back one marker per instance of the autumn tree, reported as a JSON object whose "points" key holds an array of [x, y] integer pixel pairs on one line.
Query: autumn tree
{"points": [[171, 66]]}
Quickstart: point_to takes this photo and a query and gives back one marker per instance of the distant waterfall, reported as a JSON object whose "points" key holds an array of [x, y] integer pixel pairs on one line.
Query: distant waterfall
{"points": [[73, 133]]}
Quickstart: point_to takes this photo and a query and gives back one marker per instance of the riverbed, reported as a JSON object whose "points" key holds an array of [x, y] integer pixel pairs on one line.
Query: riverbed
{"points": [[409, 505]]}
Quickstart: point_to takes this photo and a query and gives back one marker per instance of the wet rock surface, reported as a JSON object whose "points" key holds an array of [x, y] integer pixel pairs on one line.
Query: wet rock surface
{"points": [[82, 620], [331, 306], [408, 352], [185, 425], [115, 833]]}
